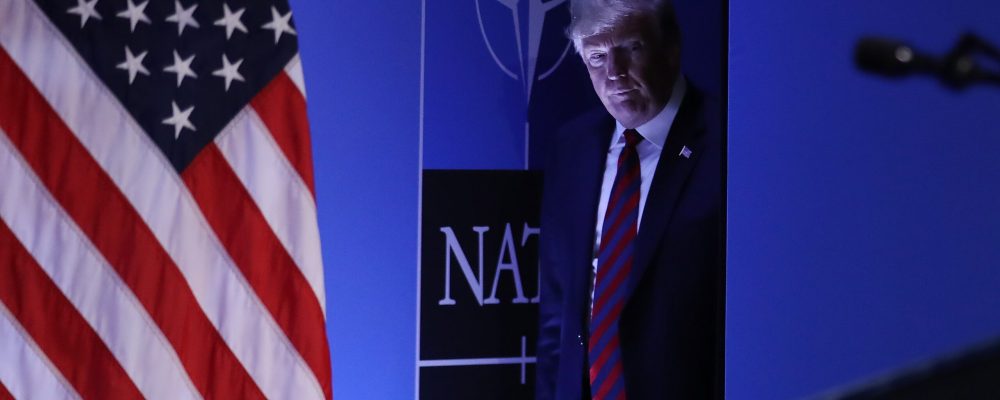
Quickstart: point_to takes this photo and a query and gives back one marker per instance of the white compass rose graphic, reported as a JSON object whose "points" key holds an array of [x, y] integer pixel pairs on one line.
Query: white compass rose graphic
{"points": [[527, 50]]}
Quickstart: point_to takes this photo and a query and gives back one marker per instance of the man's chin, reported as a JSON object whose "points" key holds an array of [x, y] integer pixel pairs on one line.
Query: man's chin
{"points": [[628, 104], [628, 115]]}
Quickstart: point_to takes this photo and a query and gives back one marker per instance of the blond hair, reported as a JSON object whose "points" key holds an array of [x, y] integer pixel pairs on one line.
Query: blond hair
{"points": [[594, 17]]}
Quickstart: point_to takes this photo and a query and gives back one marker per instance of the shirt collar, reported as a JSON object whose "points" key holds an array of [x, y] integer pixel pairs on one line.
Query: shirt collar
{"points": [[656, 129]]}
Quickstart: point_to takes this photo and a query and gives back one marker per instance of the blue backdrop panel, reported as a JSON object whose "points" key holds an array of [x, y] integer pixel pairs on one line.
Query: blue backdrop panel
{"points": [[501, 77], [485, 61], [362, 70], [378, 75], [863, 212]]}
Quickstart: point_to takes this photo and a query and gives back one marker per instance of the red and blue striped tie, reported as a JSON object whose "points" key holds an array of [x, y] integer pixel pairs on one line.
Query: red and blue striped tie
{"points": [[614, 261]]}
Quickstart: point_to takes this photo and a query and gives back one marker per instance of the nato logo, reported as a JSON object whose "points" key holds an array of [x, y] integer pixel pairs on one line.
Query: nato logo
{"points": [[486, 64], [478, 287], [529, 29]]}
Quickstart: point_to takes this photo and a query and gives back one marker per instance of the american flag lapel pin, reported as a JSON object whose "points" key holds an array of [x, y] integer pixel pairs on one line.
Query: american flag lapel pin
{"points": [[685, 152]]}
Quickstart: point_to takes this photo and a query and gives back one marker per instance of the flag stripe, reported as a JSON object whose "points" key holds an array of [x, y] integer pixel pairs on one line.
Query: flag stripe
{"points": [[4, 393], [149, 181], [106, 217], [93, 288], [294, 71], [65, 337], [283, 109], [28, 374], [163, 211], [264, 262], [281, 195]]}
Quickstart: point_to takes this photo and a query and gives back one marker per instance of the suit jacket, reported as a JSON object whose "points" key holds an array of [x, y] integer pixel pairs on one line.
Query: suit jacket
{"points": [[671, 327]]}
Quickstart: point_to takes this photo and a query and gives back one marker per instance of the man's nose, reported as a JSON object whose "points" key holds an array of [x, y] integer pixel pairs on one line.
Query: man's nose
{"points": [[617, 66]]}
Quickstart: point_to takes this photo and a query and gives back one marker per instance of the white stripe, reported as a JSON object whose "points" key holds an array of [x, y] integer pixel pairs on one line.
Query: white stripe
{"points": [[147, 179], [90, 284], [294, 71], [281, 195], [24, 369]]}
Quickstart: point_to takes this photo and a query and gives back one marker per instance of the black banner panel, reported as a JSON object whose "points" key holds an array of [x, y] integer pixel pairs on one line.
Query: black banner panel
{"points": [[478, 292]]}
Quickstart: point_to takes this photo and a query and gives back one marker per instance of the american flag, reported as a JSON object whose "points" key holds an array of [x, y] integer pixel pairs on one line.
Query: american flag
{"points": [[158, 233]]}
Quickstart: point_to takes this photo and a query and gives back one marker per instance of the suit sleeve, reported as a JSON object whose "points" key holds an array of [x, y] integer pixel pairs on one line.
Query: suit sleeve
{"points": [[550, 293]]}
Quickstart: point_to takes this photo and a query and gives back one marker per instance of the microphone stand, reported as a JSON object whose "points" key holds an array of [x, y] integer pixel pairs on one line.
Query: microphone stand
{"points": [[959, 68]]}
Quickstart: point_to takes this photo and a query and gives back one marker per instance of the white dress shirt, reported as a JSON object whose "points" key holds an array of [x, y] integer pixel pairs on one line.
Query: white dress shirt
{"points": [[654, 133]]}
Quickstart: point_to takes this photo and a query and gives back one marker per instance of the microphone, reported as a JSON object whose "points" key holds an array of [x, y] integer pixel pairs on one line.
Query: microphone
{"points": [[892, 58], [958, 68]]}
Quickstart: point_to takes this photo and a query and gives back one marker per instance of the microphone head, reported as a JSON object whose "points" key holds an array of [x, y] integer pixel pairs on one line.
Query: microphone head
{"points": [[887, 57]]}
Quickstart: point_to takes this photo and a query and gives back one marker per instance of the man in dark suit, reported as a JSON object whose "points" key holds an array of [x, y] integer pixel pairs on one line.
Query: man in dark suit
{"points": [[632, 234]]}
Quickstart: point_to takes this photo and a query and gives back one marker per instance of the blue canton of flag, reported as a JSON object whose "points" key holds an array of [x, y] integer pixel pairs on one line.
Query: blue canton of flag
{"points": [[183, 69]]}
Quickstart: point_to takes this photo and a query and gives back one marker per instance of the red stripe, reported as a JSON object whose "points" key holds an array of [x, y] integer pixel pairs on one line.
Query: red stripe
{"points": [[103, 213], [625, 240], [598, 364], [627, 152], [633, 170], [612, 317], [283, 109], [4, 393], [616, 190], [606, 386], [616, 281], [632, 204], [265, 263], [55, 325], [605, 265]]}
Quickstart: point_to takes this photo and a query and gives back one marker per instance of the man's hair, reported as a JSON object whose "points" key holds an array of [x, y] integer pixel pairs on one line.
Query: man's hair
{"points": [[594, 17]]}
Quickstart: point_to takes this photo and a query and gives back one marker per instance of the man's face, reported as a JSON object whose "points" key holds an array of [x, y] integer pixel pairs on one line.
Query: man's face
{"points": [[632, 68]]}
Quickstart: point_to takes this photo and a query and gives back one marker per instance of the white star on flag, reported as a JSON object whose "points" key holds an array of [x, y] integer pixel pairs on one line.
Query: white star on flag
{"points": [[279, 24], [86, 9], [229, 71], [183, 17], [231, 20], [133, 64], [181, 67], [180, 119], [135, 14]]}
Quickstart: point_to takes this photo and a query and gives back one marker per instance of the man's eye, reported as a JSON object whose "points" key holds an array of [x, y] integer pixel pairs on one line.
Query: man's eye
{"points": [[596, 58], [635, 46]]}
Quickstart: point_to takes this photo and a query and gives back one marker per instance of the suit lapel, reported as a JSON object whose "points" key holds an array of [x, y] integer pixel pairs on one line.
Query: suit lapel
{"points": [[668, 183], [588, 171]]}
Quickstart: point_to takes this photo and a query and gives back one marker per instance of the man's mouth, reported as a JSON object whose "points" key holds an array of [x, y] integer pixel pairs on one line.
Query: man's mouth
{"points": [[622, 92]]}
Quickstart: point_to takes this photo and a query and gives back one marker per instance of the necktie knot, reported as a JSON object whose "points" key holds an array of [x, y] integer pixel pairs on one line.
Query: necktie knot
{"points": [[632, 137]]}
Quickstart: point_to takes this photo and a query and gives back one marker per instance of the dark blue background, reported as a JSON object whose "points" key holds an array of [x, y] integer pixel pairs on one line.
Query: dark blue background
{"points": [[863, 213], [362, 70]]}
